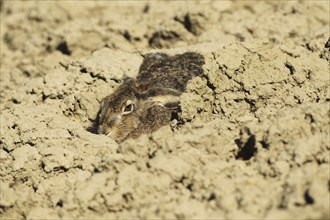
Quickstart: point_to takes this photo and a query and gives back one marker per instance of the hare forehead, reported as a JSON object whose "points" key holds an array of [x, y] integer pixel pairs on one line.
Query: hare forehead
{"points": [[115, 105]]}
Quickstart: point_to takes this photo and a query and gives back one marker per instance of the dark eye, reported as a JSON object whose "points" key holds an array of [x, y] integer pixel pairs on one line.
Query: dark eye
{"points": [[129, 108]]}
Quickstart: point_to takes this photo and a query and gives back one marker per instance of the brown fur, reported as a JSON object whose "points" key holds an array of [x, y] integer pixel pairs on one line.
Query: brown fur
{"points": [[154, 94]]}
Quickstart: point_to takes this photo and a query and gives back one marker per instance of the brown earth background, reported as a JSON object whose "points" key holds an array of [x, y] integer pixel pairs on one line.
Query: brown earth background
{"points": [[251, 140]]}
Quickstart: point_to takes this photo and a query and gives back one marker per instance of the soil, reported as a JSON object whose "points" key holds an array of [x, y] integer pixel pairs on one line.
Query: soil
{"points": [[251, 139]]}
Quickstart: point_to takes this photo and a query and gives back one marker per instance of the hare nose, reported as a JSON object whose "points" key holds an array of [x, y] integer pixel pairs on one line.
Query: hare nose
{"points": [[100, 129]]}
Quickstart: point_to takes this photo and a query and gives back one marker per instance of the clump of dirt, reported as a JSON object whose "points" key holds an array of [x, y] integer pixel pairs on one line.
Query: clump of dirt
{"points": [[251, 139]]}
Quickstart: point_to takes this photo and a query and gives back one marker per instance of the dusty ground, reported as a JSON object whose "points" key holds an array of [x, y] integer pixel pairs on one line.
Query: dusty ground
{"points": [[252, 138]]}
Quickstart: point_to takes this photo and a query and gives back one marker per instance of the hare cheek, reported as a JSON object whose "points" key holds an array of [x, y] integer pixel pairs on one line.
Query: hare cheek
{"points": [[114, 126]]}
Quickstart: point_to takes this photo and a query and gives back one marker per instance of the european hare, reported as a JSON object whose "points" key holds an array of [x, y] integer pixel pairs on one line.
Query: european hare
{"points": [[144, 104]]}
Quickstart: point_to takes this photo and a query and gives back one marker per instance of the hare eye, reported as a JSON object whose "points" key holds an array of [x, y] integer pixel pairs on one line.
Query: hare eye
{"points": [[128, 109]]}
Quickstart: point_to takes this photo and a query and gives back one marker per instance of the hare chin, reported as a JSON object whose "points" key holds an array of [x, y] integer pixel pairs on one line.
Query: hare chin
{"points": [[114, 137], [117, 134]]}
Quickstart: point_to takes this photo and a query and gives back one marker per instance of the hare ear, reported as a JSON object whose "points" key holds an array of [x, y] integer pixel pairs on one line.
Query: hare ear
{"points": [[167, 101], [166, 97]]}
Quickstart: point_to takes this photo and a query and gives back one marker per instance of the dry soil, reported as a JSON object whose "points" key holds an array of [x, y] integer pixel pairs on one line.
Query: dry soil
{"points": [[251, 139]]}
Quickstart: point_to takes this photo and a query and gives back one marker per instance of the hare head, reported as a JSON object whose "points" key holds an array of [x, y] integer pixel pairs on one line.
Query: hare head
{"points": [[128, 113], [144, 104], [118, 113]]}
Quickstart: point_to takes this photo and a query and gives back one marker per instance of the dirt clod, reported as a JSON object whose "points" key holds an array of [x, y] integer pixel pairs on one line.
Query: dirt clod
{"points": [[251, 139]]}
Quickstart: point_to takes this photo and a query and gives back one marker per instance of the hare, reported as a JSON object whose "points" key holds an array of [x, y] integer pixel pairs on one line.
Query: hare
{"points": [[145, 104]]}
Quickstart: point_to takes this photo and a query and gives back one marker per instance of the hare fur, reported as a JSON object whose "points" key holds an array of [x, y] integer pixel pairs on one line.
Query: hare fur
{"points": [[146, 103]]}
